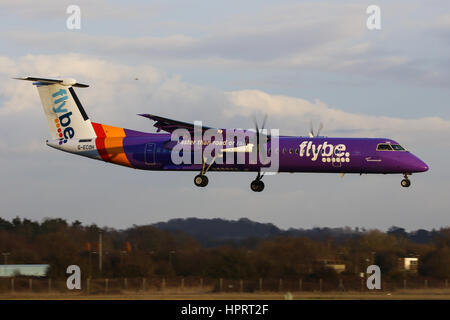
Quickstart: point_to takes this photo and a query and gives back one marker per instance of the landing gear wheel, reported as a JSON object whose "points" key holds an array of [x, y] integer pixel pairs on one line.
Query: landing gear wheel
{"points": [[257, 186], [405, 183], [201, 180]]}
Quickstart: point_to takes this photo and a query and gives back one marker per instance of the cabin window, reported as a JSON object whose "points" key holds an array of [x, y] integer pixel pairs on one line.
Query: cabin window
{"points": [[284, 150], [384, 147], [296, 151], [397, 147], [290, 151]]}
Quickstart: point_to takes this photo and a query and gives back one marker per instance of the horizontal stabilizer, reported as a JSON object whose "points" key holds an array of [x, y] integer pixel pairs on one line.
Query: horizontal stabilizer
{"points": [[64, 82]]}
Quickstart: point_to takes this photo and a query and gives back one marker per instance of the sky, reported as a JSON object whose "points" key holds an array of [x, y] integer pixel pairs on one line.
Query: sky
{"points": [[222, 63]]}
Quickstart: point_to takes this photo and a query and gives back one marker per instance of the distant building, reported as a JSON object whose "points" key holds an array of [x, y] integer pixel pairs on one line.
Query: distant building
{"points": [[332, 264], [336, 266], [30, 270], [408, 264]]}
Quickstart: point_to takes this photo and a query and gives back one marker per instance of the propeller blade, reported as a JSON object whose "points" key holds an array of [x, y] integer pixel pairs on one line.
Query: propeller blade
{"points": [[320, 128], [255, 121], [258, 133], [311, 130], [264, 121]]}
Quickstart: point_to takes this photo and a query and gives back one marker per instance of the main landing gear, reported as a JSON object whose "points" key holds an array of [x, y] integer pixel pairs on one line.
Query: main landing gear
{"points": [[201, 180], [257, 185], [405, 182]]}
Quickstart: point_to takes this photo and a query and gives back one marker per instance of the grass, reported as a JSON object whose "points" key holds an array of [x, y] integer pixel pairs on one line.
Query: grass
{"points": [[418, 294]]}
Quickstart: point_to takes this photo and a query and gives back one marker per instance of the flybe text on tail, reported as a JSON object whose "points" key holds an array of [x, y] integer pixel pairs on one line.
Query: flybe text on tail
{"points": [[62, 122]]}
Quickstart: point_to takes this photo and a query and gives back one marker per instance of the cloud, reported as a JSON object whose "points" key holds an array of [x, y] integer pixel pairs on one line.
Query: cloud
{"points": [[317, 53], [309, 36], [292, 111], [274, 33], [56, 9], [108, 191], [441, 27], [115, 97]]}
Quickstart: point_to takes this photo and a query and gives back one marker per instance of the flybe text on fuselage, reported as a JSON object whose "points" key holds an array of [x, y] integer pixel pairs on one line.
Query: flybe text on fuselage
{"points": [[328, 151], [62, 122]]}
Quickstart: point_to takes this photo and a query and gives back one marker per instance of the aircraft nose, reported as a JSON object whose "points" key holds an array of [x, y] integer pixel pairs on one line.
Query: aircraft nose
{"points": [[419, 166]]}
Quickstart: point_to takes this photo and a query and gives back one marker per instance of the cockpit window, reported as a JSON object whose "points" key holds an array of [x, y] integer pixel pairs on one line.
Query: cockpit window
{"points": [[384, 147], [389, 147], [397, 147]]}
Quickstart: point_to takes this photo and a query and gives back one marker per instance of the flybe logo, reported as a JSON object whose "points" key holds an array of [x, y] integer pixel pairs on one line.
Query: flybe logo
{"points": [[62, 122], [327, 151]]}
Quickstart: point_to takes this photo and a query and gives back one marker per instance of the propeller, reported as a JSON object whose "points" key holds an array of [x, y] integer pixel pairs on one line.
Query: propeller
{"points": [[320, 129], [311, 130], [258, 131]]}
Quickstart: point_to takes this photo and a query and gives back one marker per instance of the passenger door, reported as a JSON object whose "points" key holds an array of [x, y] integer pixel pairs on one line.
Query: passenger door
{"points": [[150, 149]]}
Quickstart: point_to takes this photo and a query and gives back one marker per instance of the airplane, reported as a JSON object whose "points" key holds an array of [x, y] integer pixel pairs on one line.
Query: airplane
{"points": [[72, 131]]}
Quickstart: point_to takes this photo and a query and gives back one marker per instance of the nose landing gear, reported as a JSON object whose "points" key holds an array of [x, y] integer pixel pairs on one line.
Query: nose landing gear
{"points": [[405, 182], [257, 185]]}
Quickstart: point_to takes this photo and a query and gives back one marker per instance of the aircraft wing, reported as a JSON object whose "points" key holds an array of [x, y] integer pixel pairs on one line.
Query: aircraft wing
{"points": [[170, 125]]}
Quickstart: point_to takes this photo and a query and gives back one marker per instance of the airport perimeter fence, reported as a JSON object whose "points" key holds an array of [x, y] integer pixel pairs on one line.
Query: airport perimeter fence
{"points": [[205, 285]]}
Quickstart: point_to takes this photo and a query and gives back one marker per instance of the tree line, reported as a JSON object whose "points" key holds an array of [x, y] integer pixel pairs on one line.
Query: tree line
{"points": [[146, 251]]}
